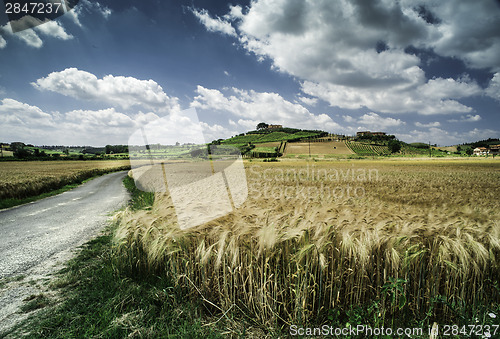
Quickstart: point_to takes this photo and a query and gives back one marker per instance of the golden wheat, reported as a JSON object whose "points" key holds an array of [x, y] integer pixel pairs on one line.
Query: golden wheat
{"points": [[288, 258]]}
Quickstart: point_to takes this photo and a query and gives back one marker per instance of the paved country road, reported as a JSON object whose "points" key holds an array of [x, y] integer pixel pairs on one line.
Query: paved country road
{"points": [[34, 236]]}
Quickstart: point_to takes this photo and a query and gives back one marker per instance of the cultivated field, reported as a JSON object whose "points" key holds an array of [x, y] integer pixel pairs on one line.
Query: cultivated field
{"points": [[404, 241], [21, 179], [332, 147]]}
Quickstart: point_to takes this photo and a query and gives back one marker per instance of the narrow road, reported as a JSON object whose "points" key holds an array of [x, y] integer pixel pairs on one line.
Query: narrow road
{"points": [[34, 232], [34, 236]]}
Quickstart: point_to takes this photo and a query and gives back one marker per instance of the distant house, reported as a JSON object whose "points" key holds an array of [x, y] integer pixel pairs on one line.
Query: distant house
{"points": [[494, 149], [480, 151], [274, 126]]}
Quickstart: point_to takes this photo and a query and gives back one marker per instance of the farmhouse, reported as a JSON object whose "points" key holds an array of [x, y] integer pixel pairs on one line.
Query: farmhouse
{"points": [[492, 150], [274, 126]]}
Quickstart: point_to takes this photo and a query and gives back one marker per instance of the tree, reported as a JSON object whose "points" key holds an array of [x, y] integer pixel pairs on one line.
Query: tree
{"points": [[22, 153], [459, 148], [262, 125], [469, 151], [394, 146]]}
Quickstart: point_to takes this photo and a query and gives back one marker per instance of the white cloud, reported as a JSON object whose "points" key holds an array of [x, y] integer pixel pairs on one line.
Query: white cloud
{"points": [[27, 123], [374, 120], [3, 43], [101, 118], [53, 29], [493, 89], [21, 114], [422, 97], [428, 125], [469, 31], [214, 25], [30, 36], [309, 101], [352, 54], [253, 107], [348, 118], [215, 131], [248, 124], [93, 7], [74, 14], [115, 90], [467, 118]]}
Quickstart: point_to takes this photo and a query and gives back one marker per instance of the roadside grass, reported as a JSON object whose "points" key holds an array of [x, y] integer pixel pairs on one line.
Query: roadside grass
{"points": [[7, 280], [7, 203], [35, 302], [102, 297]]}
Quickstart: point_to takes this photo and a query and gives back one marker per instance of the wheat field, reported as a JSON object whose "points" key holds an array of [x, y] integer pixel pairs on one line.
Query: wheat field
{"points": [[21, 179], [406, 237]]}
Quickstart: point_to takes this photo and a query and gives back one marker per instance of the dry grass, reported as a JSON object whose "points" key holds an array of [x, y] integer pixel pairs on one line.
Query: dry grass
{"points": [[21, 179], [287, 256]]}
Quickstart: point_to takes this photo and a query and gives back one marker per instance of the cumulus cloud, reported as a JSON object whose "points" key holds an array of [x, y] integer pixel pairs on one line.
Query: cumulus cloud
{"points": [[214, 24], [93, 7], [308, 101], [53, 29], [422, 97], [215, 131], [24, 122], [467, 118], [493, 89], [100, 118], [348, 118], [428, 125], [468, 30], [3, 43], [354, 54], [253, 107], [120, 91], [374, 120], [31, 36], [13, 112]]}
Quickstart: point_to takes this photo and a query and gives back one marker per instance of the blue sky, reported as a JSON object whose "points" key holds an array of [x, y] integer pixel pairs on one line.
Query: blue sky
{"points": [[422, 70]]}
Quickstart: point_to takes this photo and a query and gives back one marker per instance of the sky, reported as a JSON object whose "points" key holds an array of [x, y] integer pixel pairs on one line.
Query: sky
{"points": [[425, 71]]}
